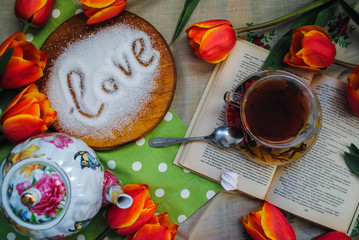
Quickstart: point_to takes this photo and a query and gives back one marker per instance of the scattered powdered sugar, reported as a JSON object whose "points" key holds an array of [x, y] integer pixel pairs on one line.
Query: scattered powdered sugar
{"points": [[102, 83]]}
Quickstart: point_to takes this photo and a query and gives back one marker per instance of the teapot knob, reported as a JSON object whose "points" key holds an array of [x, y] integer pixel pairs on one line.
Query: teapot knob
{"points": [[21, 194], [30, 197]]}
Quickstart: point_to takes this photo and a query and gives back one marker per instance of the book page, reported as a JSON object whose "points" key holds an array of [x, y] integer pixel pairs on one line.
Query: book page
{"points": [[209, 160], [319, 186]]}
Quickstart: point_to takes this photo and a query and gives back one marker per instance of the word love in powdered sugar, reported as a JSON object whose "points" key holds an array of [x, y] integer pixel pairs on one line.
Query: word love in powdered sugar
{"points": [[107, 76]]}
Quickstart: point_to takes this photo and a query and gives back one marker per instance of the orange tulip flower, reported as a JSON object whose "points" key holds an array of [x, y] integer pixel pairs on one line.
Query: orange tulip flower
{"points": [[211, 40], [159, 227], [35, 12], [99, 11], [26, 64], [334, 235], [129, 220], [352, 90], [311, 49], [268, 223], [28, 114]]}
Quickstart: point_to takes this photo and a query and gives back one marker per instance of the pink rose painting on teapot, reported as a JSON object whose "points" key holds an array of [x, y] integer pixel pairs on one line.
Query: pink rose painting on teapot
{"points": [[52, 185]]}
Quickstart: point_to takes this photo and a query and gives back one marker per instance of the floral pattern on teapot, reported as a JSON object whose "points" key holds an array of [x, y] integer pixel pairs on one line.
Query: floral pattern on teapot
{"points": [[63, 183], [51, 187]]}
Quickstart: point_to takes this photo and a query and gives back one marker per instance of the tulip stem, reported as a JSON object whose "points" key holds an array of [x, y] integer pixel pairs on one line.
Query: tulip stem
{"points": [[293, 14], [26, 27], [105, 232], [344, 64], [3, 139]]}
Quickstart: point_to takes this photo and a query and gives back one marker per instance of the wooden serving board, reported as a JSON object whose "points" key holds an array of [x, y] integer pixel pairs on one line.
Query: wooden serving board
{"points": [[156, 106]]}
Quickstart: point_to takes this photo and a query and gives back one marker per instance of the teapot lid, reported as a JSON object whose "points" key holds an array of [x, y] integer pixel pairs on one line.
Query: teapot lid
{"points": [[36, 193]]}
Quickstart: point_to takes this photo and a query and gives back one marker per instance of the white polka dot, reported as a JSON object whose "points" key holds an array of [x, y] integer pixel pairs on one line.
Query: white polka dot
{"points": [[186, 170], [181, 218], [111, 164], [11, 236], [81, 237], [210, 194], [29, 37], [140, 142], [185, 193], [56, 13], [136, 166], [168, 116], [162, 167], [160, 192], [106, 238], [79, 11]]}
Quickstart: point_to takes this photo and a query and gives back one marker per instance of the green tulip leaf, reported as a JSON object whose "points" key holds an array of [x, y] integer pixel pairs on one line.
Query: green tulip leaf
{"points": [[354, 149], [319, 16], [4, 60], [186, 13], [354, 15], [276, 55], [324, 16], [352, 161]]}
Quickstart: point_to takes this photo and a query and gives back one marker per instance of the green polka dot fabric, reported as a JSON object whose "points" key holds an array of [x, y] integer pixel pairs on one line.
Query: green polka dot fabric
{"points": [[177, 191]]}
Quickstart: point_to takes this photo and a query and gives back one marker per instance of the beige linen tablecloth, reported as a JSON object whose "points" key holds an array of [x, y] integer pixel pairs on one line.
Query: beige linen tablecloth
{"points": [[220, 217]]}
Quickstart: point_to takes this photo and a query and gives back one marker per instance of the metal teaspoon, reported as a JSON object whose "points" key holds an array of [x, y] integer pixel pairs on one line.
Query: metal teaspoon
{"points": [[225, 136]]}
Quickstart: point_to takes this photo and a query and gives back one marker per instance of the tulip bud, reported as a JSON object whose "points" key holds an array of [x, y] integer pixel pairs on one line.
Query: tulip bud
{"points": [[129, 220], [211, 40], [28, 114], [99, 11], [311, 49], [26, 63], [352, 91], [35, 12], [267, 222]]}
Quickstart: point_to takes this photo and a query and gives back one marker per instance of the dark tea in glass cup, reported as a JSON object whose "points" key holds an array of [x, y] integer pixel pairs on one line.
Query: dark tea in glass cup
{"points": [[278, 110]]}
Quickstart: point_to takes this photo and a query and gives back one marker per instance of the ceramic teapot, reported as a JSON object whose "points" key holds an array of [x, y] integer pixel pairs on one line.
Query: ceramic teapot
{"points": [[52, 185]]}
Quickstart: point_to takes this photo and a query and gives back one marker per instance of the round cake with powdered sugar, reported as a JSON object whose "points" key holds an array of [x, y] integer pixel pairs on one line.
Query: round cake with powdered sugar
{"points": [[110, 83]]}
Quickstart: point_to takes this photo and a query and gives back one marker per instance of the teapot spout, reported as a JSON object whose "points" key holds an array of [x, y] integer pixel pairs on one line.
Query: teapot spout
{"points": [[113, 193], [116, 196]]}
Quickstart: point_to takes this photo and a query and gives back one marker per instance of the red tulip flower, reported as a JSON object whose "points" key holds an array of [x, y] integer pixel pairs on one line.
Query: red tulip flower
{"points": [[159, 227], [352, 90], [28, 114], [268, 223], [311, 49], [211, 40], [335, 235], [99, 11], [129, 220], [34, 12], [26, 64]]}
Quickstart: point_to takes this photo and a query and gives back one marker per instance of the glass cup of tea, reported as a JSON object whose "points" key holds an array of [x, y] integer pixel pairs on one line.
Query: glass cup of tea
{"points": [[278, 110]]}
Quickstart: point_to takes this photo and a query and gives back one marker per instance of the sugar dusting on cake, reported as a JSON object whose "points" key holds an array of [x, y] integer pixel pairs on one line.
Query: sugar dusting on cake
{"points": [[101, 83]]}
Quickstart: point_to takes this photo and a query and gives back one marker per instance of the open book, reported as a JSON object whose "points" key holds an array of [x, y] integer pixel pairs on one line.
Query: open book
{"points": [[319, 186]]}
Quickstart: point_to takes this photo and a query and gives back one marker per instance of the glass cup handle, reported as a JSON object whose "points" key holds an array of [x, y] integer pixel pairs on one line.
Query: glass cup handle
{"points": [[233, 98]]}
